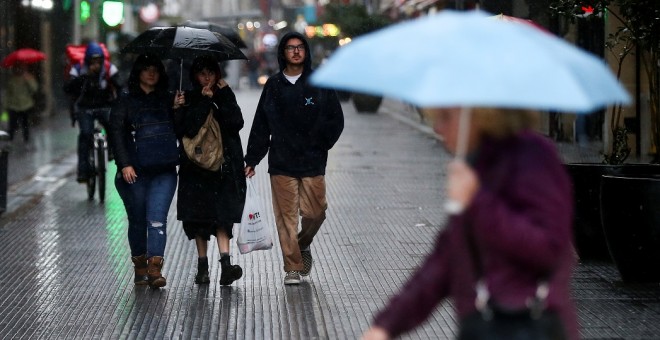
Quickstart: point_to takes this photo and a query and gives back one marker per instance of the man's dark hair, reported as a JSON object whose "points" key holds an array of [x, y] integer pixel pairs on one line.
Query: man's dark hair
{"points": [[281, 55]]}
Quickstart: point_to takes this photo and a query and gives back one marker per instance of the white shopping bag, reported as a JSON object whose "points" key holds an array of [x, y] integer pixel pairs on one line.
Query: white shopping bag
{"points": [[254, 233]]}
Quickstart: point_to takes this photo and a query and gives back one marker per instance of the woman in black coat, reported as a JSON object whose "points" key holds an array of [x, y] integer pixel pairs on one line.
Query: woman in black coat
{"points": [[210, 202]]}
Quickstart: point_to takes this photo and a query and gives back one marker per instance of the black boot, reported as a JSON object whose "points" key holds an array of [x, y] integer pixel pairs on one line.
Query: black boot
{"points": [[202, 276], [230, 273]]}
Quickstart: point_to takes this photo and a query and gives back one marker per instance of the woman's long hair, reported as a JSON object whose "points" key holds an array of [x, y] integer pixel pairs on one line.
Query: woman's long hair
{"points": [[141, 63], [501, 122], [201, 63]]}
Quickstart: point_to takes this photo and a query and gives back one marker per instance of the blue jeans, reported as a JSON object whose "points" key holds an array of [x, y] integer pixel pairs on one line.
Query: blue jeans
{"points": [[147, 202], [85, 120]]}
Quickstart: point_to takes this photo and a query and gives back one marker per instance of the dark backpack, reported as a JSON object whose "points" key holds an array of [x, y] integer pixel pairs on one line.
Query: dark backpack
{"points": [[156, 145]]}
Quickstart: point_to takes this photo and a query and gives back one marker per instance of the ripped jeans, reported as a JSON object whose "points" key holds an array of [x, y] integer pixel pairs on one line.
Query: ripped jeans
{"points": [[147, 202]]}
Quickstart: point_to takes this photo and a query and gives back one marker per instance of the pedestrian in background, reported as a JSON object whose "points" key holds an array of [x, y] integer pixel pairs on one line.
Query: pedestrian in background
{"points": [[21, 88], [296, 124], [513, 234], [146, 192], [93, 86], [253, 66], [210, 202]]}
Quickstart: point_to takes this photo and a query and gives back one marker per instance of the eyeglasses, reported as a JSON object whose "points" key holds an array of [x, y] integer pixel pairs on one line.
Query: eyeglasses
{"points": [[291, 48]]}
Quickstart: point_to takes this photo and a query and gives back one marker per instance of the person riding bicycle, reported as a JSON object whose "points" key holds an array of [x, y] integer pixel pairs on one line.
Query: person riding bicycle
{"points": [[93, 86]]}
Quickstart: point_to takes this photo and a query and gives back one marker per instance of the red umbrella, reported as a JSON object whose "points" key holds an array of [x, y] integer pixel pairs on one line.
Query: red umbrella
{"points": [[23, 55]]}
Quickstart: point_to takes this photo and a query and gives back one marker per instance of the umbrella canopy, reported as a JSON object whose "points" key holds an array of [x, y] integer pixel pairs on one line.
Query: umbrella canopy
{"points": [[23, 55], [226, 31], [183, 42], [519, 20], [465, 59]]}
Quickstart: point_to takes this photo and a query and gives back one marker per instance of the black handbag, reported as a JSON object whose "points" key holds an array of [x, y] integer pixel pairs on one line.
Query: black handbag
{"points": [[492, 322]]}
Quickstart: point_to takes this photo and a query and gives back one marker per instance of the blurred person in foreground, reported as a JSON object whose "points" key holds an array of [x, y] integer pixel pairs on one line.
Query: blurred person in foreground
{"points": [[296, 124], [516, 221]]}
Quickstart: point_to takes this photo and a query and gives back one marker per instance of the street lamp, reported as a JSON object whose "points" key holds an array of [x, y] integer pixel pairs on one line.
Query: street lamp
{"points": [[42, 5]]}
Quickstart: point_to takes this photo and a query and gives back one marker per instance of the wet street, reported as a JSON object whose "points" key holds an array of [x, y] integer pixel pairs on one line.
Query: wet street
{"points": [[65, 269]]}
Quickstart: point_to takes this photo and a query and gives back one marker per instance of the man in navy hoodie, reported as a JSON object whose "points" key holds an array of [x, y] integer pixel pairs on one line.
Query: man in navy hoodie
{"points": [[296, 124]]}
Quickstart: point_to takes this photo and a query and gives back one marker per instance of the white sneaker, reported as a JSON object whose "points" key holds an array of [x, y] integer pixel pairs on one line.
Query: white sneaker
{"points": [[292, 278]]}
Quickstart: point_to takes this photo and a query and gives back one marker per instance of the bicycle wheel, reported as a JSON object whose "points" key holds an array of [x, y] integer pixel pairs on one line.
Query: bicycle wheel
{"points": [[91, 181], [101, 169], [91, 187]]}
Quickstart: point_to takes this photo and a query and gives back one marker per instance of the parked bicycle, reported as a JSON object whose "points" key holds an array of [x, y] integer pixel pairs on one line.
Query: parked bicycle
{"points": [[98, 158]]}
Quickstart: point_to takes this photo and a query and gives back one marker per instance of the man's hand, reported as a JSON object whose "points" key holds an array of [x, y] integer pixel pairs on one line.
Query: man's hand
{"points": [[249, 171]]}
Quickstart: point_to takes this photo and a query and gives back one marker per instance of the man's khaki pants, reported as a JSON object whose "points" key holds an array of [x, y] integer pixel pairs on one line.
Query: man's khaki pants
{"points": [[293, 197]]}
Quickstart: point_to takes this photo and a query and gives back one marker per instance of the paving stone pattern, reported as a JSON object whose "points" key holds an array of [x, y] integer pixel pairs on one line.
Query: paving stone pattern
{"points": [[66, 272]]}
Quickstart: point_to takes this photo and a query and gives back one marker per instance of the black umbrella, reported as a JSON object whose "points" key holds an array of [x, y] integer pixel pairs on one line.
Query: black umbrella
{"points": [[183, 42], [226, 31]]}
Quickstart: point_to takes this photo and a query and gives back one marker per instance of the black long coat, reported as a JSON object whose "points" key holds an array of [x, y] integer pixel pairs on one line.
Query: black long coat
{"points": [[213, 196]]}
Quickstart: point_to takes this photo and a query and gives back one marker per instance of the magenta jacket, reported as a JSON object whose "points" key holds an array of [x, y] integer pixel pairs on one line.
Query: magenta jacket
{"points": [[522, 223]]}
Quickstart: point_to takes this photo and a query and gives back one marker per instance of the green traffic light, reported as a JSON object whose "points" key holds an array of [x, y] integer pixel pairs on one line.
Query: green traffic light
{"points": [[85, 11], [113, 13]]}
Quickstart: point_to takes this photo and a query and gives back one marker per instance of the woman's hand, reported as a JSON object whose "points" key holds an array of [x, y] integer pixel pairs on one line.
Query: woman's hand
{"points": [[375, 333], [179, 99], [462, 183], [129, 174], [208, 90]]}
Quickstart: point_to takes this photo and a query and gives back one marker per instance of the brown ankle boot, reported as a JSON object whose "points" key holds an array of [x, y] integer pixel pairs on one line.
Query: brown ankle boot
{"points": [[140, 266], [154, 265]]}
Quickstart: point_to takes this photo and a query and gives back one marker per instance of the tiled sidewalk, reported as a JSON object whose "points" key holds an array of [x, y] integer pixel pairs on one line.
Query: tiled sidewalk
{"points": [[65, 271]]}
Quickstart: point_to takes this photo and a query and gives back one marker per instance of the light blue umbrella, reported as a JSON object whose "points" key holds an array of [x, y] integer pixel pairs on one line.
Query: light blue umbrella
{"points": [[466, 59]]}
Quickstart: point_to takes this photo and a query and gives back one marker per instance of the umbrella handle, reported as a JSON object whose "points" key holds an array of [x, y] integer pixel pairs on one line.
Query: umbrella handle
{"points": [[463, 132], [454, 207], [181, 74]]}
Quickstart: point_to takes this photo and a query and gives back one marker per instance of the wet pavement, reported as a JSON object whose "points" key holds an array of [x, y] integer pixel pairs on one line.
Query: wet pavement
{"points": [[66, 272]]}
